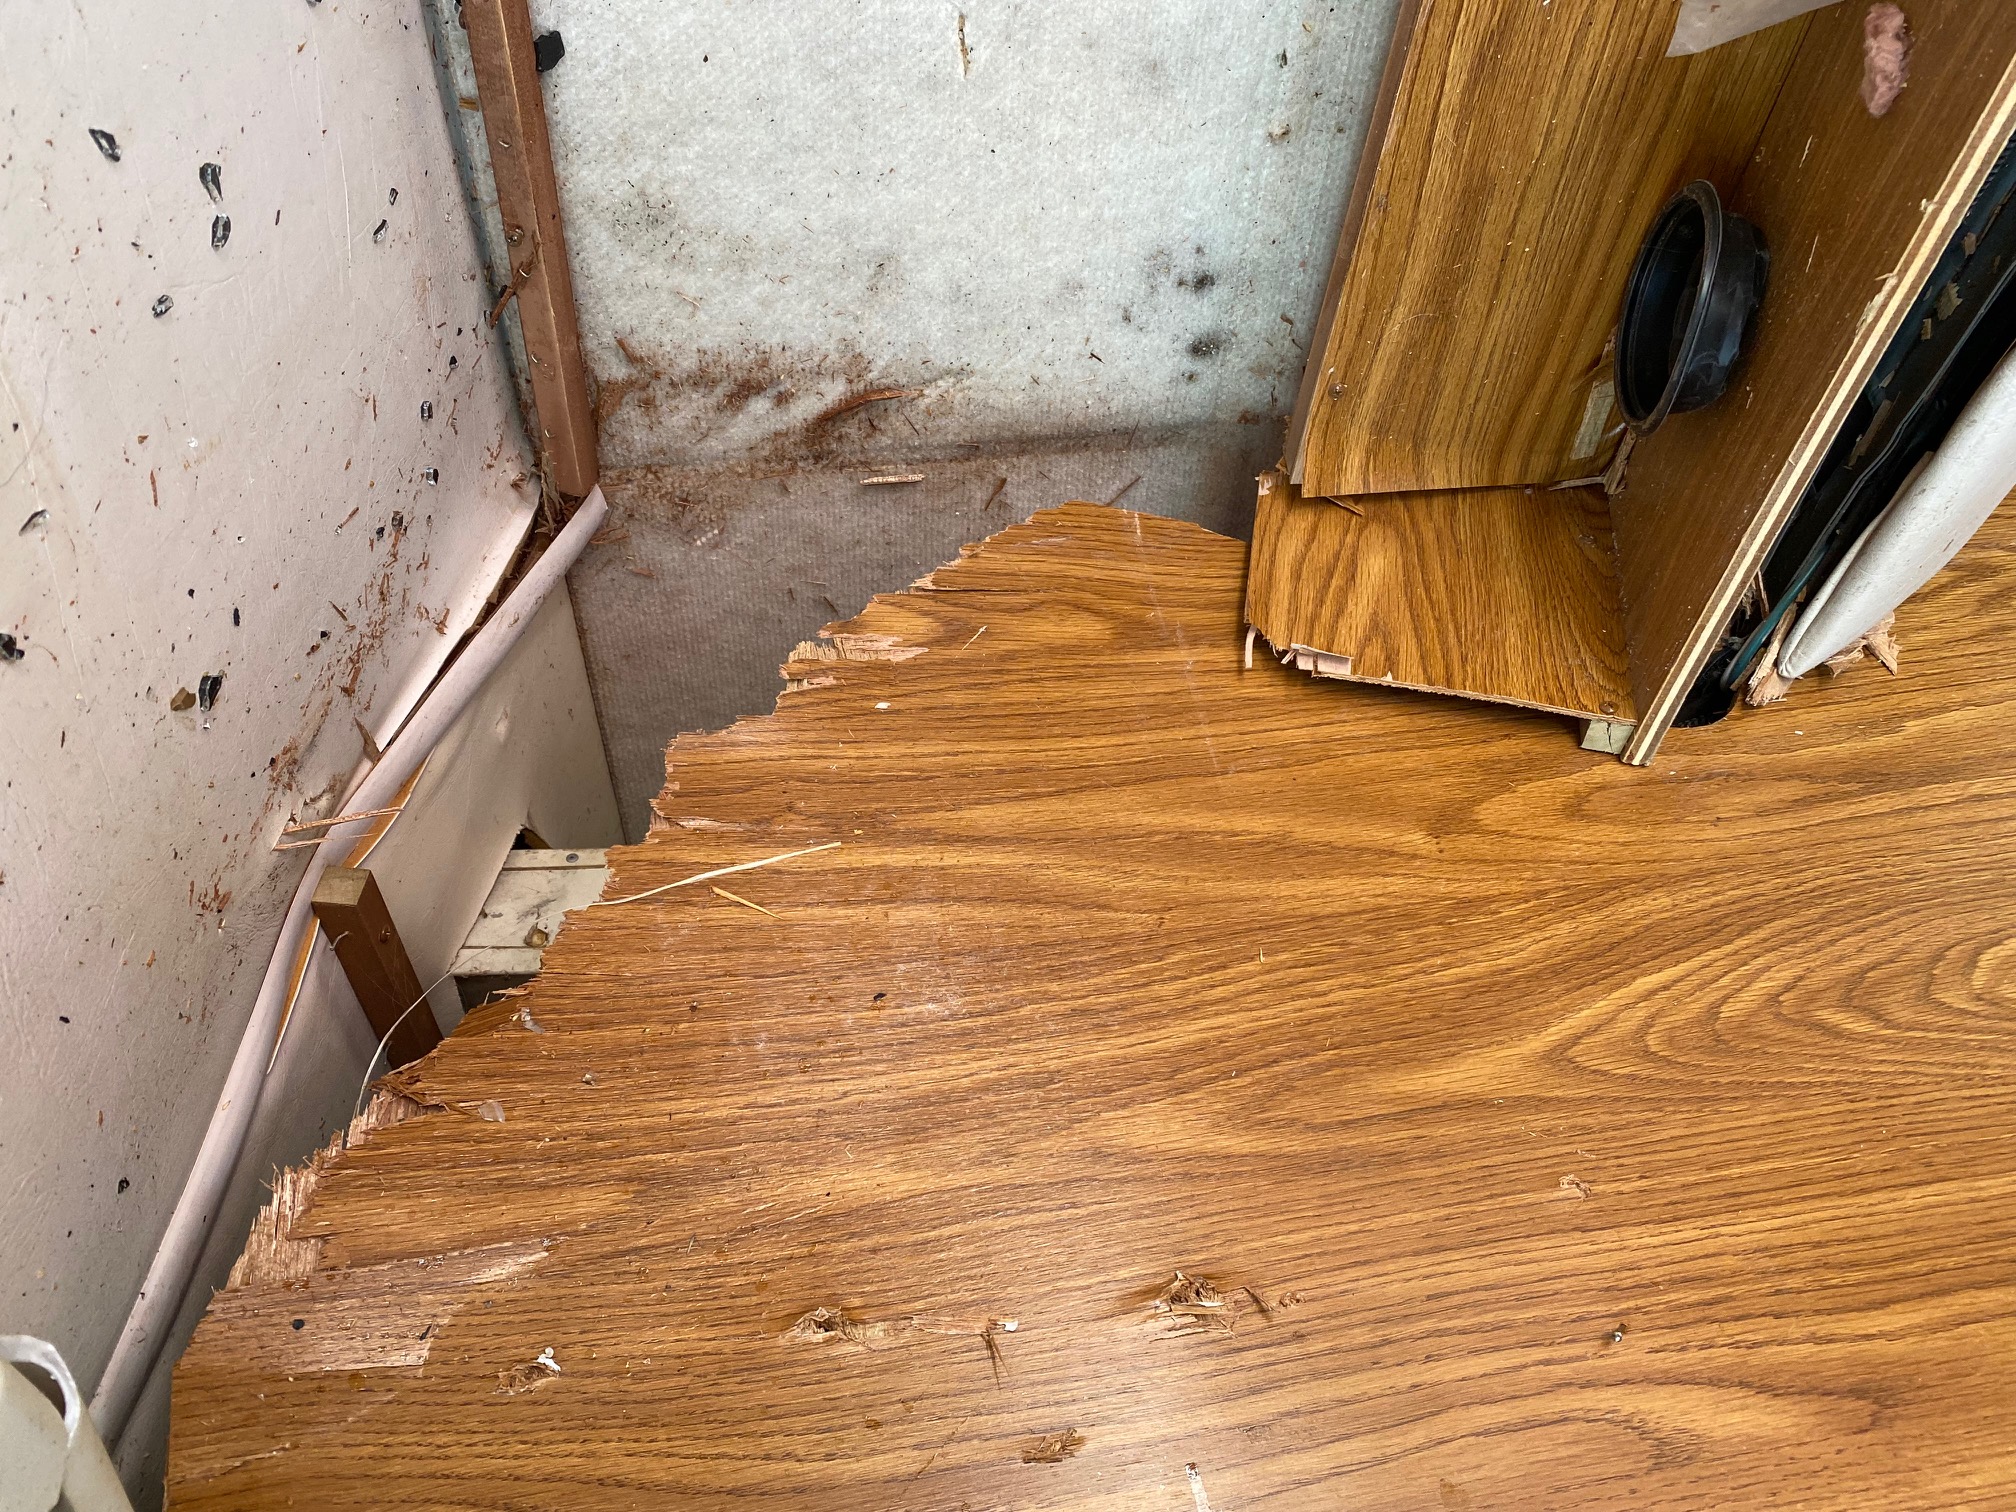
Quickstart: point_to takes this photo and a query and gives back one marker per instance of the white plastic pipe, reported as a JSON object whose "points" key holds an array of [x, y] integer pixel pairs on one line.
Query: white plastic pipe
{"points": [[1923, 529], [46, 1456], [161, 1294]]}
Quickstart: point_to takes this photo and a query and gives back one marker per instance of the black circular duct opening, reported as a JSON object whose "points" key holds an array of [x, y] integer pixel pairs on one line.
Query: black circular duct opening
{"points": [[1697, 280]]}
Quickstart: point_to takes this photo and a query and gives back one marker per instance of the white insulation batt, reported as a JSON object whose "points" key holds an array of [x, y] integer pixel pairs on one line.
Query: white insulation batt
{"points": [[1039, 218]]}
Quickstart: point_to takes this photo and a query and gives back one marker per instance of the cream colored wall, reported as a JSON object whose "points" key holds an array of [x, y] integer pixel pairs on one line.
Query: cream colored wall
{"points": [[242, 485]]}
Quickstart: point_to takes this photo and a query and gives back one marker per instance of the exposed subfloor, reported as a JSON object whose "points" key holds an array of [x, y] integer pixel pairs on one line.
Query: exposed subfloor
{"points": [[1179, 1086]]}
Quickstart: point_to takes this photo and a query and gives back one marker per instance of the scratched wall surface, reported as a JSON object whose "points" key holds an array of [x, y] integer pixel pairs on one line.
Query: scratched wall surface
{"points": [[1039, 226], [213, 462]]}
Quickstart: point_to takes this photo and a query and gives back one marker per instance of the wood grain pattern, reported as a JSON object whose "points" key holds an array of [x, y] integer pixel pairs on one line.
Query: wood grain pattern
{"points": [[528, 199], [1594, 1137], [359, 927], [1499, 593], [1528, 148], [1856, 209]]}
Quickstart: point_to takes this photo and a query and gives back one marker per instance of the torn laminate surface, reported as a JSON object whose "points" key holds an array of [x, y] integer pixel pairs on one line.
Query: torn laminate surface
{"points": [[1526, 150], [1504, 594], [1548, 1132]]}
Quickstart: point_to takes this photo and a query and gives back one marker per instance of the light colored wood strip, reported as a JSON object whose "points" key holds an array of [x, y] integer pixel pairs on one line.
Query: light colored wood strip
{"points": [[1857, 210], [528, 198]]}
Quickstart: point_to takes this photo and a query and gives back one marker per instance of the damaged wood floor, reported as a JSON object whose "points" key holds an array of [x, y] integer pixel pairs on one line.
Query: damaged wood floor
{"points": [[1185, 1087]]}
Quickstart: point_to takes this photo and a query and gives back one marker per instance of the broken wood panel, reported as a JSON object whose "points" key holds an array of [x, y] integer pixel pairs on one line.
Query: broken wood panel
{"points": [[1857, 209], [1504, 594], [528, 200], [1527, 150], [359, 927], [1546, 1133]]}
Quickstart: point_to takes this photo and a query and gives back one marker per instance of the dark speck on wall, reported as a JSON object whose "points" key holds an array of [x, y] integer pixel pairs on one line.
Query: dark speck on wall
{"points": [[1209, 346], [208, 686], [107, 144], [124, 1184], [10, 649], [211, 175], [220, 232], [378, 231], [163, 305], [235, 620]]}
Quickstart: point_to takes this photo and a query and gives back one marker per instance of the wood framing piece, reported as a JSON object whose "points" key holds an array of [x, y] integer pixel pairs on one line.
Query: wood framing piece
{"points": [[528, 198], [352, 913], [1524, 151], [1503, 594], [1857, 210], [534, 892]]}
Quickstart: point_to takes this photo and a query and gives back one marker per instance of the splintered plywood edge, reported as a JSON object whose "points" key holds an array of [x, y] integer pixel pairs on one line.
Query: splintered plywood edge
{"points": [[1506, 595], [1527, 149], [1163, 1065], [1857, 210]]}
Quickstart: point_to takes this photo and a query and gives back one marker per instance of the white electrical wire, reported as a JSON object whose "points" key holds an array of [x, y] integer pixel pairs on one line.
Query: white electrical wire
{"points": [[174, 1266]]}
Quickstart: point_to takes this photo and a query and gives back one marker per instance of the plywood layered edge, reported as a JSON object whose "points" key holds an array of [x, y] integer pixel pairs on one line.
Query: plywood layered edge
{"points": [[1507, 595]]}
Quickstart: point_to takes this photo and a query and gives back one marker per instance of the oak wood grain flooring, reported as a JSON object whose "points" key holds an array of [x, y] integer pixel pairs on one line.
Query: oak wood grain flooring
{"points": [[1496, 593], [1856, 209], [1526, 150], [1547, 1132]]}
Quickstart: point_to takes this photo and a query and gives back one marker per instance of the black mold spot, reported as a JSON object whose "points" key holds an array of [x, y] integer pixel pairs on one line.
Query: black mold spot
{"points": [[235, 621], [1199, 283], [212, 178], [107, 144], [1210, 345]]}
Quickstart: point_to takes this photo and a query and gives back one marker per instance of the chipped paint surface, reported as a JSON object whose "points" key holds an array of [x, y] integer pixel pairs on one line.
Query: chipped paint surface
{"points": [[226, 497], [1032, 219]]}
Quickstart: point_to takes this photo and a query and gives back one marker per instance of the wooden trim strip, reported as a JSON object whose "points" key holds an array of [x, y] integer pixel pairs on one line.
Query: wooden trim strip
{"points": [[528, 199]]}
